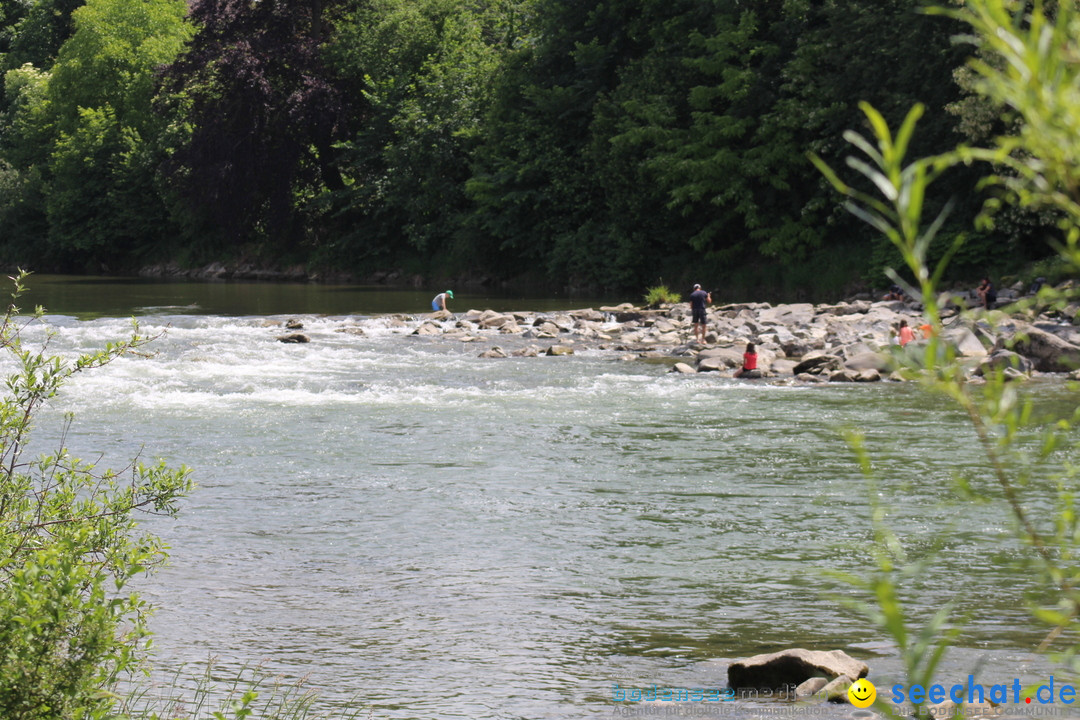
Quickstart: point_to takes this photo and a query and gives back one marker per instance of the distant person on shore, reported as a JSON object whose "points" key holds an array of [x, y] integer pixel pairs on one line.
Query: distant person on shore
{"points": [[906, 333], [895, 293], [987, 294], [698, 300], [439, 301], [749, 361]]}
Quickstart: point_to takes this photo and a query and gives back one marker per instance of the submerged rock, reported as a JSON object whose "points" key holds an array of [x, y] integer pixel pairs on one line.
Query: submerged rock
{"points": [[294, 338]]}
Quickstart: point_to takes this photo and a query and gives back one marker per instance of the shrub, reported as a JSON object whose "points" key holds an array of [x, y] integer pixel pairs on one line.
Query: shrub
{"points": [[659, 294], [70, 544]]}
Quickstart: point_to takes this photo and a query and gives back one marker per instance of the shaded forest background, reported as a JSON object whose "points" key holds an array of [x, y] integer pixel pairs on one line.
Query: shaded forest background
{"points": [[569, 144]]}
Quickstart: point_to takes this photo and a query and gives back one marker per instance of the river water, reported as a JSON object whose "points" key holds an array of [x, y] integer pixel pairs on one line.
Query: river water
{"points": [[428, 534]]}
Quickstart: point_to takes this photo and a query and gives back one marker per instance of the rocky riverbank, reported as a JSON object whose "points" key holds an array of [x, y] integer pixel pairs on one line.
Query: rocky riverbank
{"points": [[843, 342]]}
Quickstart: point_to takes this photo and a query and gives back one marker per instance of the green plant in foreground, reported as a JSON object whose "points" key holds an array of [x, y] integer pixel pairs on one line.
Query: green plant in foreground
{"points": [[659, 294], [1027, 455], [69, 625]]}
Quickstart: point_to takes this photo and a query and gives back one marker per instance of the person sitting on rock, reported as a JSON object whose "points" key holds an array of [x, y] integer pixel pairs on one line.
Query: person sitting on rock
{"points": [[987, 294], [749, 363], [439, 301], [895, 293]]}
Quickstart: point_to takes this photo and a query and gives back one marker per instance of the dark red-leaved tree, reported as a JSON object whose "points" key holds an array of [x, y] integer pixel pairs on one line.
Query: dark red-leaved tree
{"points": [[262, 114]]}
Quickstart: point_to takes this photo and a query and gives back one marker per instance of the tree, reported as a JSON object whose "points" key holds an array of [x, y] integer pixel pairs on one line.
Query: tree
{"points": [[103, 200], [69, 625], [83, 144], [424, 70], [263, 115]]}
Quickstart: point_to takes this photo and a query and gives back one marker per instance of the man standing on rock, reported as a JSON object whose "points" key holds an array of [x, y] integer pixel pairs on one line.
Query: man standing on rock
{"points": [[698, 299]]}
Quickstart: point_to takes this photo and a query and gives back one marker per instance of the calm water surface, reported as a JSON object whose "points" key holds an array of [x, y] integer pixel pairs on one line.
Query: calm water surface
{"points": [[433, 535]]}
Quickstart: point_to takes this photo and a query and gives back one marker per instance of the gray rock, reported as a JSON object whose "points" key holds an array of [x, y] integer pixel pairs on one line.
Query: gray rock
{"points": [[588, 314], [793, 667], [560, 350], [531, 351], [811, 686], [797, 347], [1003, 360], [783, 366], [870, 375], [490, 319], [843, 376], [967, 344], [548, 329], [1048, 352], [816, 362], [293, 324], [495, 352], [353, 330], [294, 338], [869, 361], [428, 328], [712, 364], [836, 690], [681, 367]]}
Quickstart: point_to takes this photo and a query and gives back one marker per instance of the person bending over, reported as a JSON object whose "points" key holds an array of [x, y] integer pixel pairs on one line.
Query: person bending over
{"points": [[439, 301]]}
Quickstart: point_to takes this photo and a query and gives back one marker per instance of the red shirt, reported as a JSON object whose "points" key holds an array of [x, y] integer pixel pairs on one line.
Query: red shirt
{"points": [[906, 335], [749, 361]]}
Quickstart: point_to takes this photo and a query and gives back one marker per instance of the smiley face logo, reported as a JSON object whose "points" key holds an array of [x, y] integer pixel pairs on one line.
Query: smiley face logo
{"points": [[862, 693]]}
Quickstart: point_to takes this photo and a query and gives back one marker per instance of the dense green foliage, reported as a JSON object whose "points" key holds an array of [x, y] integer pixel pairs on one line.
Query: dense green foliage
{"points": [[572, 142], [69, 626]]}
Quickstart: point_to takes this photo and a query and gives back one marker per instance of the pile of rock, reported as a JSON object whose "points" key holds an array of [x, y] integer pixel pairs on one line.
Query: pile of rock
{"points": [[846, 342], [843, 342]]}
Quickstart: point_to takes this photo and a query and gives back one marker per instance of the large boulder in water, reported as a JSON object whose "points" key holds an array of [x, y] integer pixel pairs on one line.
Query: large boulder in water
{"points": [[790, 668]]}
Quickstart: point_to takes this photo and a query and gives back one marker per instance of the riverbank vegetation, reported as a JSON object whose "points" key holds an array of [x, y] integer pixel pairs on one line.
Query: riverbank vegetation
{"points": [[567, 144]]}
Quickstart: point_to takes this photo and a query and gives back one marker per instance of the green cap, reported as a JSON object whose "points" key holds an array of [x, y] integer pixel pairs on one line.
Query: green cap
{"points": [[450, 293]]}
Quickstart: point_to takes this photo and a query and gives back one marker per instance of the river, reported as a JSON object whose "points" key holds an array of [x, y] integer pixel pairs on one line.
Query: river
{"points": [[428, 534]]}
